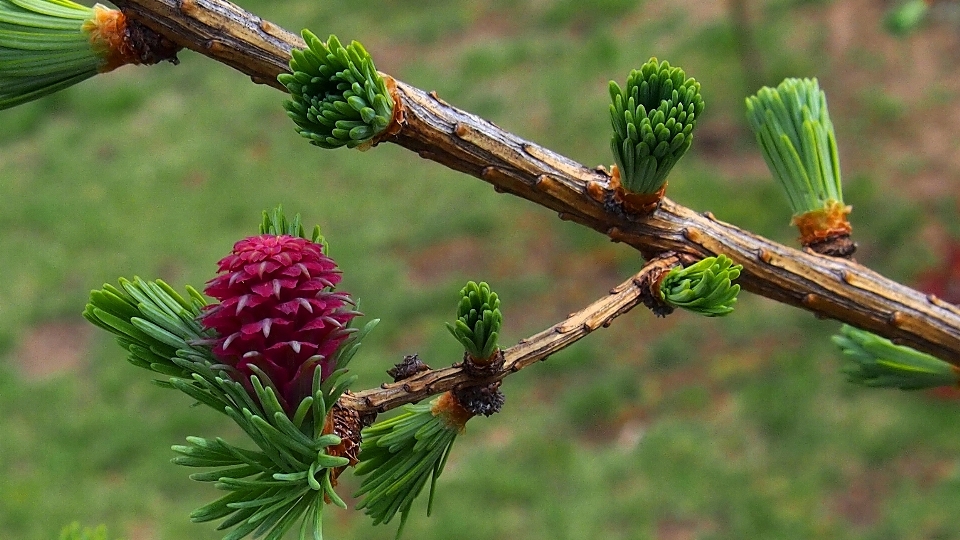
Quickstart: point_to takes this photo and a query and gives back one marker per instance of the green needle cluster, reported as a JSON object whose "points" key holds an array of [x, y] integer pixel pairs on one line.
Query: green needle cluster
{"points": [[153, 322], [276, 223], [478, 321], [796, 136], [338, 98], [878, 362], [398, 456], [705, 287], [284, 482], [272, 489], [653, 119], [43, 49]]}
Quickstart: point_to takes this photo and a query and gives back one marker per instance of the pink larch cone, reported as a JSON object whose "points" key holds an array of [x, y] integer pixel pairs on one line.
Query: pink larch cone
{"points": [[278, 312]]}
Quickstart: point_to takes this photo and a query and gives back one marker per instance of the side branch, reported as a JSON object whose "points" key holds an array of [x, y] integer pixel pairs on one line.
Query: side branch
{"points": [[528, 351], [826, 286]]}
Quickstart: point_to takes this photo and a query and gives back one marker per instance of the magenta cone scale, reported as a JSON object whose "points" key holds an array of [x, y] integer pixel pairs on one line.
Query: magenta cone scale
{"points": [[278, 312]]}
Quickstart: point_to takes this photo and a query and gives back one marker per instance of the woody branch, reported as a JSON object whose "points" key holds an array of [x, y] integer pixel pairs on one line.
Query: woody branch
{"points": [[529, 351], [829, 287]]}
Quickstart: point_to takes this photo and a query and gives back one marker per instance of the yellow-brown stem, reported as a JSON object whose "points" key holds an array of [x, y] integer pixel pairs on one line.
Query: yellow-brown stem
{"points": [[120, 42], [449, 409], [396, 122], [823, 223], [484, 368], [638, 204], [656, 270]]}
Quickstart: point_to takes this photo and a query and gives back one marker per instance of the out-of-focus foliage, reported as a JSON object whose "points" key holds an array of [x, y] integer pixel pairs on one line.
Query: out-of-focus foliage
{"points": [[736, 427]]}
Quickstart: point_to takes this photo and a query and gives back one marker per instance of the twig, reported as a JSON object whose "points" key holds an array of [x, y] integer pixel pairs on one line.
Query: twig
{"points": [[828, 287], [531, 350]]}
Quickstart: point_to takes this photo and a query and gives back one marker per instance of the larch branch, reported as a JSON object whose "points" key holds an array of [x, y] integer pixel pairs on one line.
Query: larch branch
{"points": [[529, 351], [829, 287]]}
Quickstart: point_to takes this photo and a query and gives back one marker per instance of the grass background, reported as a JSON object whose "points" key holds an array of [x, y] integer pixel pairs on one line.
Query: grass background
{"points": [[676, 428]]}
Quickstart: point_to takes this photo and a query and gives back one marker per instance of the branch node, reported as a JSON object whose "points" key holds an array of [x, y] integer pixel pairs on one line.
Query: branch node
{"points": [[693, 235], [188, 7], [597, 191], [635, 204], [615, 234], [650, 280], [433, 94], [483, 400], [397, 120], [897, 319], [268, 27], [826, 230], [410, 366], [483, 369], [941, 303], [490, 173], [839, 245]]}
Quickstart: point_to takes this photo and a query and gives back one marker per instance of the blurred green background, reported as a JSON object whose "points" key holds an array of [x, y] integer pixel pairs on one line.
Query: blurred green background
{"points": [[678, 428]]}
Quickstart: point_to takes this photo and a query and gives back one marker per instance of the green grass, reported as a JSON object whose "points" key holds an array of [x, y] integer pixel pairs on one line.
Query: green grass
{"points": [[654, 428]]}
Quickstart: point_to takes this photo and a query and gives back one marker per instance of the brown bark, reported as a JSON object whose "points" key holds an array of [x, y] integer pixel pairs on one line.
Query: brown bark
{"points": [[529, 351], [221, 30], [122, 42], [829, 287]]}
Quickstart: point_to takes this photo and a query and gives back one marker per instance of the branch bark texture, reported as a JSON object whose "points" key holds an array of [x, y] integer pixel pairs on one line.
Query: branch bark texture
{"points": [[829, 287], [529, 351]]}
